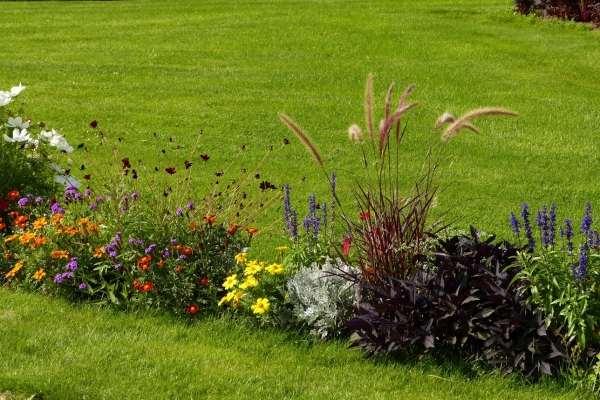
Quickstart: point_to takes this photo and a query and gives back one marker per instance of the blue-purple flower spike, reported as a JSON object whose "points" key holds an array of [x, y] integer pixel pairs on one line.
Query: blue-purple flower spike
{"points": [[514, 223], [552, 226], [527, 226], [569, 234], [586, 224], [581, 271], [289, 215]]}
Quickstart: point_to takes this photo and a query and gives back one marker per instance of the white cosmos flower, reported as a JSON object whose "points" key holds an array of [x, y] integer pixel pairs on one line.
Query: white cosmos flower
{"points": [[18, 136], [67, 180], [48, 135], [5, 98], [61, 143], [56, 168], [17, 123], [15, 90]]}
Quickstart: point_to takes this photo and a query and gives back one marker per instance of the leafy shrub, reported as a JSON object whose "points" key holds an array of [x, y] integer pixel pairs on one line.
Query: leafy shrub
{"points": [[464, 298], [562, 274], [577, 10], [28, 153], [321, 296]]}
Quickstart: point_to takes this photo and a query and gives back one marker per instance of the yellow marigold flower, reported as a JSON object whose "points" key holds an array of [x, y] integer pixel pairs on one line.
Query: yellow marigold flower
{"points": [[252, 269], [262, 264], [240, 258], [230, 282], [281, 248], [223, 301], [83, 221], [39, 223], [230, 295], [250, 282], [39, 274], [16, 269], [11, 238], [41, 240], [275, 269], [261, 306], [238, 295], [98, 252]]}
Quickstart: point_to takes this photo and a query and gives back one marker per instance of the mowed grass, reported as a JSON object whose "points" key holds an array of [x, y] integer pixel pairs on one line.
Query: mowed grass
{"points": [[228, 68], [61, 351]]}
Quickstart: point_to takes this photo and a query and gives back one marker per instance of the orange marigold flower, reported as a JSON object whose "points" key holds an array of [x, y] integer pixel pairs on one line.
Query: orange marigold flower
{"points": [[7, 256], [39, 223], [144, 267], [91, 228], [178, 247], [204, 281], [251, 231], [56, 219], [60, 254], [161, 264], [12, 195], [26, 237], [41, 240], [98, 252], [193, 309], [209, 219], [193, 226], [179, 269], [20, 221], [83, 221], [188, 251], [39, 274], [233, 228], [144, 260], [13, 214], [146, 287], [14, 271], [2, 226], [136, 284]]}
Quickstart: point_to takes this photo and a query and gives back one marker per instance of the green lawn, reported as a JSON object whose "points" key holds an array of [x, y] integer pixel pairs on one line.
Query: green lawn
{"points": [[176, 67], [110, 355]]}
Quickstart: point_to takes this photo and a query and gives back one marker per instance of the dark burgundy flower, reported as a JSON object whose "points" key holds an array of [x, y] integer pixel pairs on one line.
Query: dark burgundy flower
{"points": [[94, 124], [87, 177], [126, 163], [170, 170], [204, 157], [285, 141], [187, 164], [264, 185]]}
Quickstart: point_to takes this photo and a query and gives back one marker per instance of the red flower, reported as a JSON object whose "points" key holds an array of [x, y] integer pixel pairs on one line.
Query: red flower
{"points": [[346, 245], [3, 205], [364, 215], [233, 228], [251, 231], [144, 260], [204, 281], [179, 269], [126, 163], [193, 309], [13, 194], [146, 287], [136, 285], [188, 251], [171, 170], [2, 226]]}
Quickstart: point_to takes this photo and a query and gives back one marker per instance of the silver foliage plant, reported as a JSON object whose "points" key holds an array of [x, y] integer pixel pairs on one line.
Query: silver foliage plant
{"points": [[321, 296]]}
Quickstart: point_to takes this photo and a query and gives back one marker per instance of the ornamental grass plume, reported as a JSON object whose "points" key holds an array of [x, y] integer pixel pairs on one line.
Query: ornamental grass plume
{"points": [[464, 121]]}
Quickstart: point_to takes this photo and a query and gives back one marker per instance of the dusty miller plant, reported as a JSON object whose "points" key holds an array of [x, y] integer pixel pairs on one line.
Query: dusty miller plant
{"points": [[321, 297]]}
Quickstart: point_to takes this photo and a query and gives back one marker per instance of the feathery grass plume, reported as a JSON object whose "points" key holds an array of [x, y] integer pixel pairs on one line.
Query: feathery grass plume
{"points": [[463, 122], [302, 137], [369, 107], [385, 126], [444, 118], [355, 134]]}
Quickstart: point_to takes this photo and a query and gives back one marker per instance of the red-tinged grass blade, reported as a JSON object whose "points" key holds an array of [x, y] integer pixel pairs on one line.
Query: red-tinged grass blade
{"points": [[303, 138]]}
